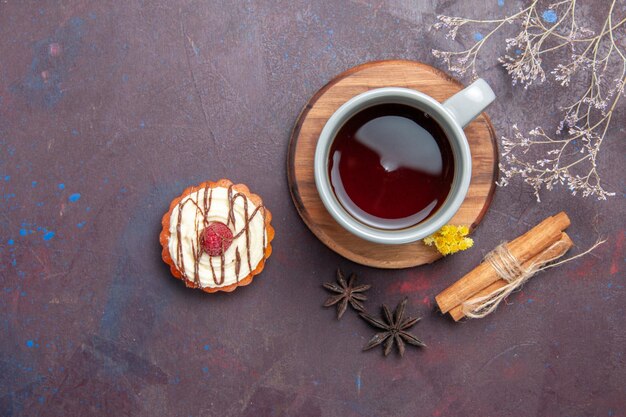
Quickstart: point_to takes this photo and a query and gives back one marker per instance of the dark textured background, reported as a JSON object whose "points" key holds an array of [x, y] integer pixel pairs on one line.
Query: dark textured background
{"points": [[108, 110]]}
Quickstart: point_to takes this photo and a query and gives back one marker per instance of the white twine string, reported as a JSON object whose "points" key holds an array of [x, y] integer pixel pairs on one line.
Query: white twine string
{"points": [[509, 268]]}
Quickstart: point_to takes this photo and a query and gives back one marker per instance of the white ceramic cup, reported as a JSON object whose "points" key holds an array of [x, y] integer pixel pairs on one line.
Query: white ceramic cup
{"points": [[453, 115]]}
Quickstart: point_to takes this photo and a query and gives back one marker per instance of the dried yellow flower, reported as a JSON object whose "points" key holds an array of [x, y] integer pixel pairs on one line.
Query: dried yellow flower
{"points": [[450, 239]]}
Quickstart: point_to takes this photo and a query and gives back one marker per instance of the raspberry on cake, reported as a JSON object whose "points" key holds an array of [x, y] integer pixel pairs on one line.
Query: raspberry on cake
{"points": [[216, 236]]}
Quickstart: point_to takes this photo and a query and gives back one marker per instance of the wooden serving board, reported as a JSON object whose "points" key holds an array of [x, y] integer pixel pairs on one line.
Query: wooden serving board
{"points": [[325, 102]]}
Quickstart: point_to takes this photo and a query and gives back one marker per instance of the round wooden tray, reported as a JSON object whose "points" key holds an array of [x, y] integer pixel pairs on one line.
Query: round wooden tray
{"points": [[409, 74]]}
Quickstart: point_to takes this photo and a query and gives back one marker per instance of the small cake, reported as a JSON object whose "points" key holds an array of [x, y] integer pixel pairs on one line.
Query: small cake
{"points": [[216, 236]]}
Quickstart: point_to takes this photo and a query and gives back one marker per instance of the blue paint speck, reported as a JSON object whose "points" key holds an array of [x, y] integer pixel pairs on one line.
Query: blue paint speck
{"points": [[40, 204], [205, 369], [48, 235], [23, 294], [88, 209], [74, 197], [23, 232], [358, 382], [61, 186], [92, 15], [500, 3], [41, 400], [330, 32], [30, 343], [609, 285], [7, 177], [478, 36], [74, 132], [33, 184], [530, 301], [611, 414], [10, 241], [549, 16], [142, 124], [207, 347], [80, 225], [124, 77]]}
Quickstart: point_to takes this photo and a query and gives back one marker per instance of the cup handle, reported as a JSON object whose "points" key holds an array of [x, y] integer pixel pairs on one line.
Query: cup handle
{"points": [[467, 104]]}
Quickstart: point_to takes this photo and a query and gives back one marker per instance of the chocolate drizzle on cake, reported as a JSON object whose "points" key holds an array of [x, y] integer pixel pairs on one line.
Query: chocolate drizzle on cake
{"points": [[202, 221], [237, 263]]}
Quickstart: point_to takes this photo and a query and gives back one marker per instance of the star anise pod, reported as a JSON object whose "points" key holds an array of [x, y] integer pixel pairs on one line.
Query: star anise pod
{"points": [[394, 330], [346, 293]]}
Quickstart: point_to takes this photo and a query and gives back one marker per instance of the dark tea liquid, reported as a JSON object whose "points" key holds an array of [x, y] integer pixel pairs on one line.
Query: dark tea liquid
{"points": [[391, 166]]}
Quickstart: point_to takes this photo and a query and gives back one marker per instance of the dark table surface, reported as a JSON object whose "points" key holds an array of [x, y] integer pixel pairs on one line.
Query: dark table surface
{"points": [[108, 110]]}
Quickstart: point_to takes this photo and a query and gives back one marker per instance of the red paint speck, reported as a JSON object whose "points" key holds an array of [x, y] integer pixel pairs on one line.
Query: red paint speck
{"points": [[586, 269], [442, 409], [617, 254], [55, 49], [513, 371], [415, 283], [439, 355]]}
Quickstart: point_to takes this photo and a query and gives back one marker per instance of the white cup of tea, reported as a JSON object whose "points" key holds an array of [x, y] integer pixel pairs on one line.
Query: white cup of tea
{"points": [[392, 165]]}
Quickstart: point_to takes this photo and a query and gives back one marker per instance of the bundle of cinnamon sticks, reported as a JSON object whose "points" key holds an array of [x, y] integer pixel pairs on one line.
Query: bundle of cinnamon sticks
{"points": [[540, 245]]}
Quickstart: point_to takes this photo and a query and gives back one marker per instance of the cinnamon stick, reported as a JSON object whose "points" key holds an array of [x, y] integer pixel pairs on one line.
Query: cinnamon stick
{"points": [[525, 247], [553, 251]]}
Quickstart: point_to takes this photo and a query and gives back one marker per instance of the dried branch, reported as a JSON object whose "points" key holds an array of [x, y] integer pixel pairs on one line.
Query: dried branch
{"points": [[570, 155]]}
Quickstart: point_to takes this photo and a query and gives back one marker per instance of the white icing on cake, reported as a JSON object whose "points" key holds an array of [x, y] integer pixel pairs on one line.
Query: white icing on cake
{"points": [[192, 224]]}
